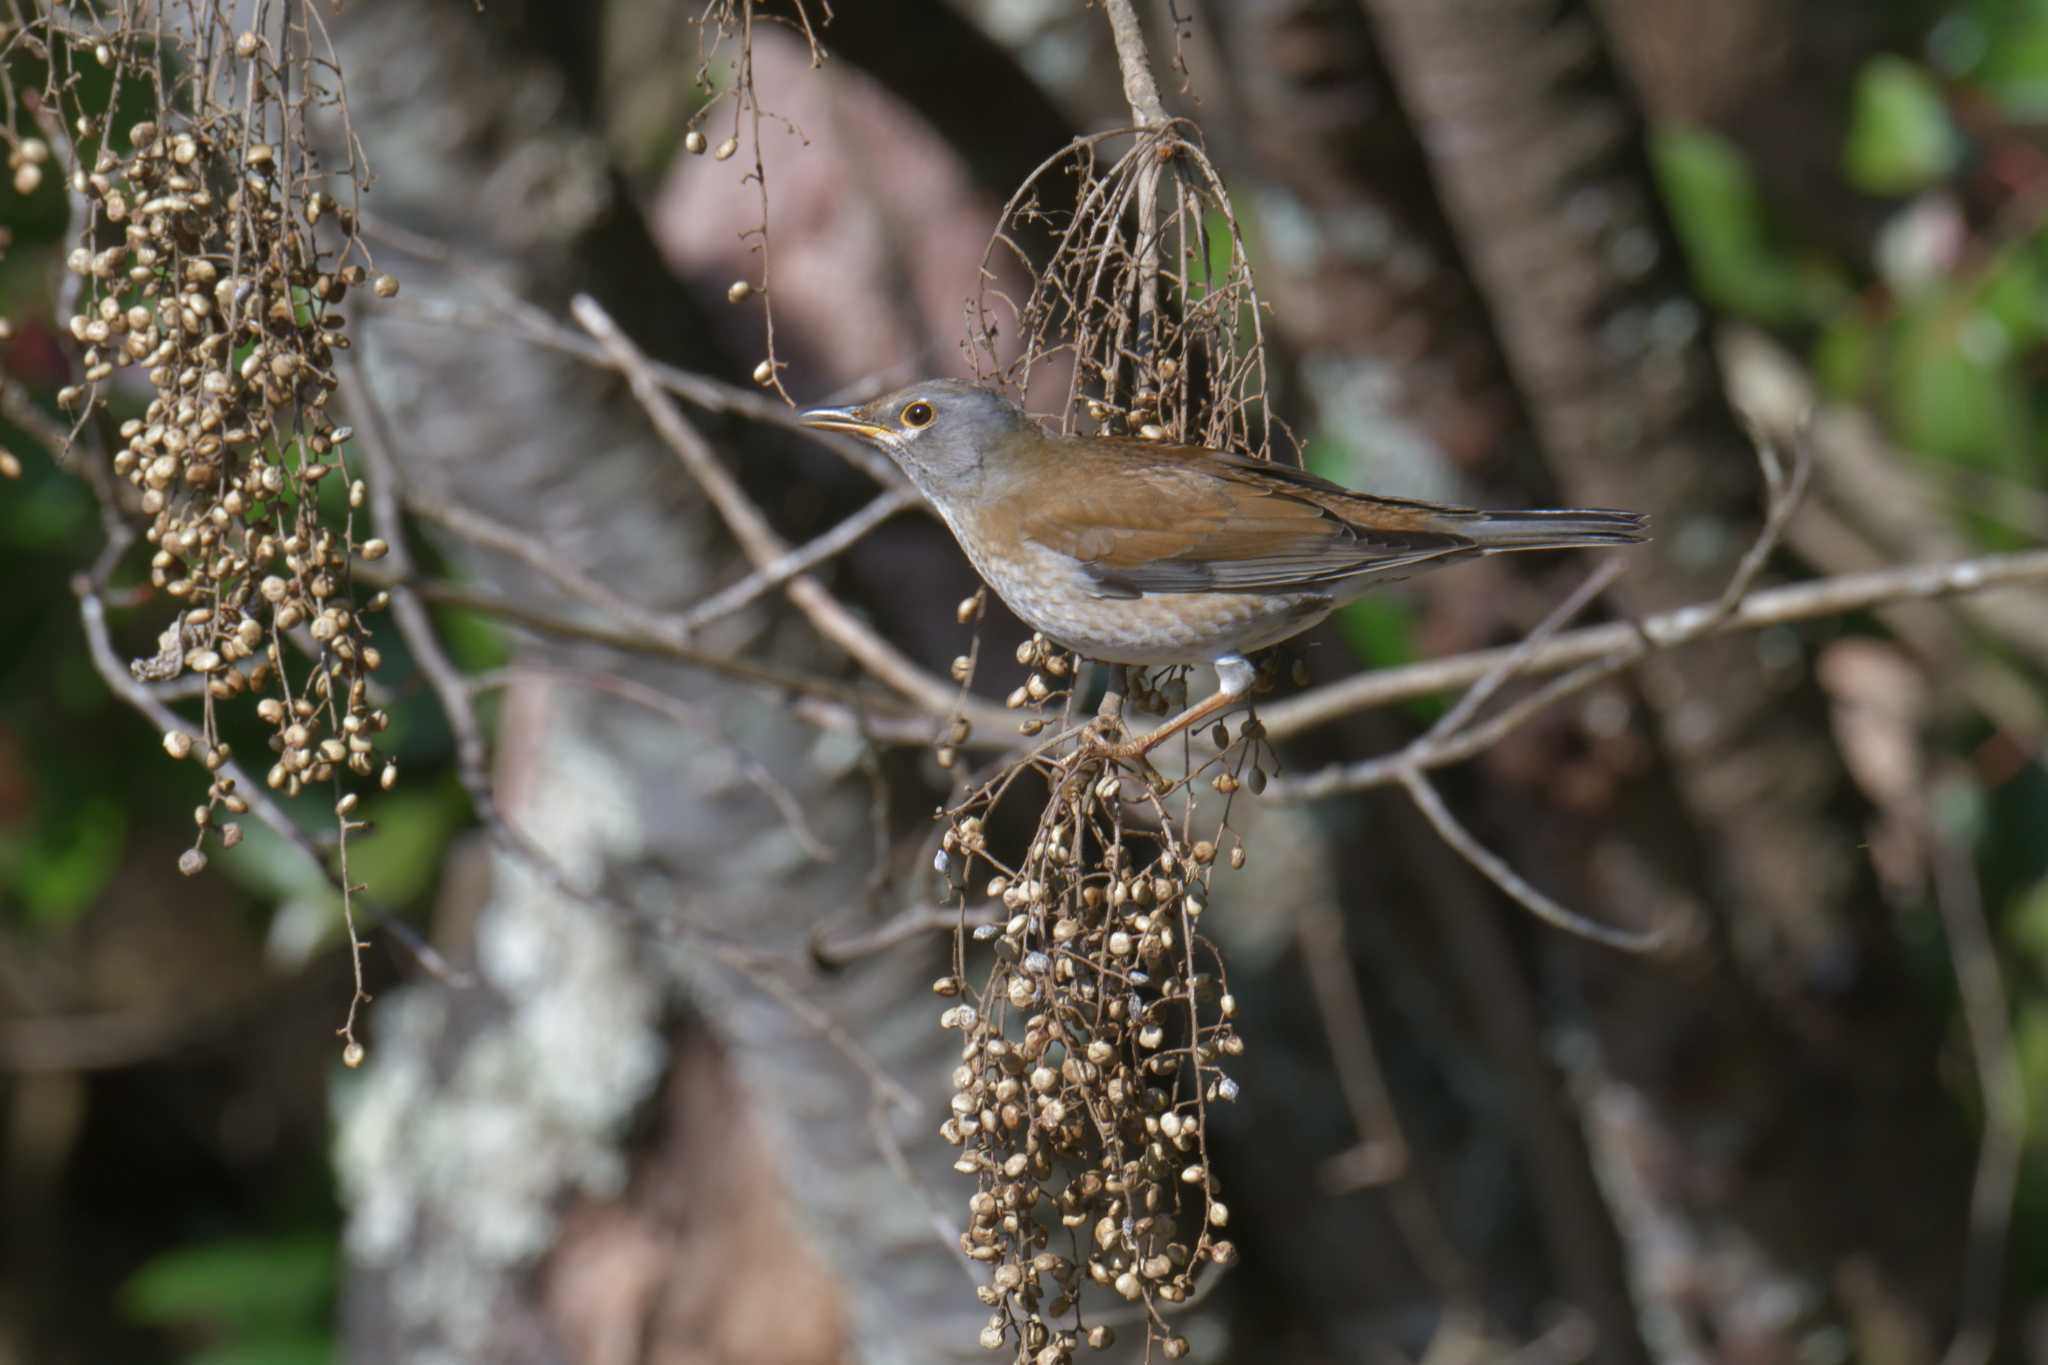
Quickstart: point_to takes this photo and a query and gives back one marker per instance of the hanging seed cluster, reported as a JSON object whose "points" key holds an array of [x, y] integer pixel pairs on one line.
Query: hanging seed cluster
{"points": [[1141, 297], [725, 80], [1093, 1055], [1047, 685], [212, 261]]}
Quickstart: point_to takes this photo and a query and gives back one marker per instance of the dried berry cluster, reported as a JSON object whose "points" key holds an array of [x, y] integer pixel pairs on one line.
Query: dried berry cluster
{"points": [[1045, 685], [1141, 296], [201, 265], [1092, 1055]]}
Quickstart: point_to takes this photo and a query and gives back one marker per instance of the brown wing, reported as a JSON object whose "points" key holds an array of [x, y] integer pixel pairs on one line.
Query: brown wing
{"points": [[1190, 520]]}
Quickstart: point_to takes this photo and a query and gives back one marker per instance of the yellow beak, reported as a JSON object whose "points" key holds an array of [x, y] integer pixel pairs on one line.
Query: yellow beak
{"points": [[847, 420]]}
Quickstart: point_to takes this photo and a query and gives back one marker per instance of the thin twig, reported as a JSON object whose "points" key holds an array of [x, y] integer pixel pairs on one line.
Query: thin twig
{"points": [[909, 924], [1496, 870], [1960, 901], [1836, 596], [684, 714], [534, 324], [801, 559], [1409, 768], [352, 1051], [1467, 706], [1382, 1155], [657, 643], [527, 548], [757, 540]]}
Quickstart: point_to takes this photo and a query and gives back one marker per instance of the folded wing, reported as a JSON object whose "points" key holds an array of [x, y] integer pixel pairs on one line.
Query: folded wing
{"points": [[1192, 521]]}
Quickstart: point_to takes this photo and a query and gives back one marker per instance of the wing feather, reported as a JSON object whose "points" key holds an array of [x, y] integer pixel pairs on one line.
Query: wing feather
{"points": [[1179, 521]]}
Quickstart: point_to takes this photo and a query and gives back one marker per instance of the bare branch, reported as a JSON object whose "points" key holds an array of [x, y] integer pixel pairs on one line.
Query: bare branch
{"points": [[1451, 721], [1496, 870], [1142, 92], [509, 311], [802, 559], [525, 547], [756, 538], [684, 714], [1382, 1155], [1960, 901], [1836, 596], [905, 926]]}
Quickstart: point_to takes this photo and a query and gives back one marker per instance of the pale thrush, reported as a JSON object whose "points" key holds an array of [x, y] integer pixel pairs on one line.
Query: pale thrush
{"points": [[1140, 552]]}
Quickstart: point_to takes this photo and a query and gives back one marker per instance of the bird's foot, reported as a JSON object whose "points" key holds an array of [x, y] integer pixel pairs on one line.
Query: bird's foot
{"points": [[1235, 677], [1110, 740]]}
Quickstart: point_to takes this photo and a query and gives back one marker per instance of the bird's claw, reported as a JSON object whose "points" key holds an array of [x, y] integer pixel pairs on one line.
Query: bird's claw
{"points": [[1110, 740]]}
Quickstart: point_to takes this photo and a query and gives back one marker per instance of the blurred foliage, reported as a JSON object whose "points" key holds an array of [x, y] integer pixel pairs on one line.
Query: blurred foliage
{"points": [[253, 1302], [1719, 213], [1900, 137], [1943, 333]]}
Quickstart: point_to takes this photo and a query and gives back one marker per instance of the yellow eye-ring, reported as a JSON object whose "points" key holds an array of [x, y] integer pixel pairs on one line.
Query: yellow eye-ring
{"points": [[918, 414]]}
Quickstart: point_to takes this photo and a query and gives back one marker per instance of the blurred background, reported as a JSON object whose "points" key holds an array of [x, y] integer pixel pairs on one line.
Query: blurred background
{"points": [[1515, 252]]}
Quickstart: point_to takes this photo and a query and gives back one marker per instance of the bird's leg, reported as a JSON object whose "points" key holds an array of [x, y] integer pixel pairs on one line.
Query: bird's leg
{"points": [[1234, 676], [1112, 708]]}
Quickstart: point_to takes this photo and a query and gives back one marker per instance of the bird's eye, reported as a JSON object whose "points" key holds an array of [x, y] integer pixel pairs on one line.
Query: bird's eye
{"points": [[918, 414]]}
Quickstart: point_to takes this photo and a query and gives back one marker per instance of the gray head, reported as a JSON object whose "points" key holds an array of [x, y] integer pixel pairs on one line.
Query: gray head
{"points": [[940, 431]]}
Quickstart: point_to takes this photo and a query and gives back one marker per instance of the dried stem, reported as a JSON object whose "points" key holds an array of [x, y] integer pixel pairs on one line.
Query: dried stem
{"points": [[1986, 1013]]}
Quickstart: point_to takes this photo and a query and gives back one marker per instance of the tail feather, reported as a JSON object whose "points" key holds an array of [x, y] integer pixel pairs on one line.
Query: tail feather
{"points": [[1560, 528]]}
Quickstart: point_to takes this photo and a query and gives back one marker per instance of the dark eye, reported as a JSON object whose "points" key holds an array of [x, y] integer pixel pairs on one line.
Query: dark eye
{"points": [[918, 414]]}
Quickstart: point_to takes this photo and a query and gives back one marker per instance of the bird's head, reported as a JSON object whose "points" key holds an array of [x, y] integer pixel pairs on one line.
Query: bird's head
{"points": [[949, 436]]}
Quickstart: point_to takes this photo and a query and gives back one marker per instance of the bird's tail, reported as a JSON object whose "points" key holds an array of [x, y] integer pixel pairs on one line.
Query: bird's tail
{"points": [[1560, 528]]}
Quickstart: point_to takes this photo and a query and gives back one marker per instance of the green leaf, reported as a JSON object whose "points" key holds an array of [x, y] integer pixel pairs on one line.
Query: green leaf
{"points": [[474, 639], [57, 872], [1900, 136], [2014, 292], [2026, 926], [48, 511], [1955, 393], [295, 1348], [263, 1283], [1846, 355], [1719, 214], [2015, 64], [1379, 630], [2030, 1041]]}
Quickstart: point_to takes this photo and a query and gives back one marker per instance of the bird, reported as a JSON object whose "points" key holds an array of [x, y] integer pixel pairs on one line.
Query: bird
{"points": [[1140, 552]]}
